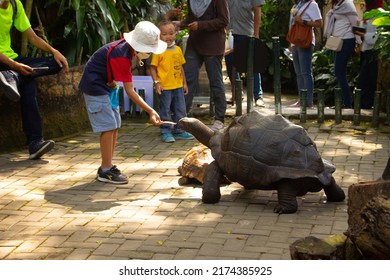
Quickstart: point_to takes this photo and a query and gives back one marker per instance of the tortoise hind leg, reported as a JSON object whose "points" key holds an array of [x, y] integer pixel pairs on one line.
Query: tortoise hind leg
{"points": [[287, 198], [211, 183], [333, 192]]}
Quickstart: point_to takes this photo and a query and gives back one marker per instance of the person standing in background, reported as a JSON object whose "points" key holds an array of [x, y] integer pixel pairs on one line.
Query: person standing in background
{"points": [[206, 21], [302, 56], [245, 19], [163, 10], [339, 21], [368, 61]]}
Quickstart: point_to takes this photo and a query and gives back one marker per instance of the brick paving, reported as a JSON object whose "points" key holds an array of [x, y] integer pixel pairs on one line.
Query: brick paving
{"points": [[54, 208]]}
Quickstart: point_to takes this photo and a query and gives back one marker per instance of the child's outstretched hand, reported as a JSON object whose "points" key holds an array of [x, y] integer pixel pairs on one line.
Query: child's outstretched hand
{"points": [[155, 118]]}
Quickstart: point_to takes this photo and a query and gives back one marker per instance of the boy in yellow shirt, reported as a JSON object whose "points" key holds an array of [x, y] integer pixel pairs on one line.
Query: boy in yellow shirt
{"points": [[170, 83]]}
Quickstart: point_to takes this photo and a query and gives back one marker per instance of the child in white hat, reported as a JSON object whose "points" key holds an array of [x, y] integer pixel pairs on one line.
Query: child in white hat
{"points": [[111, 63]]}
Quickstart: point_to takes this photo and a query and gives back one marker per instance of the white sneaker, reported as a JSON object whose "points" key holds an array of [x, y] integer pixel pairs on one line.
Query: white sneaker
{"points": [[259, 102], [217, 126]]}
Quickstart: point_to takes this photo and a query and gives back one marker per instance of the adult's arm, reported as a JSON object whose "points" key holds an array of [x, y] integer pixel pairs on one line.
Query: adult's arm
{"points": [[38, 42], [221, 21], [256, 21]]}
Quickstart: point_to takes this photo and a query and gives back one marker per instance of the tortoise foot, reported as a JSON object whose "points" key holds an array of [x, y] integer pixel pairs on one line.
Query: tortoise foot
{"points": [[211, 196], [333, 192], [284, 209]]}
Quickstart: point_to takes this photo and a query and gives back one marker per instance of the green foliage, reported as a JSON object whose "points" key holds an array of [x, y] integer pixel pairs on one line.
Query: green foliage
{"points": [[274, 23], [382, 21], [79, 27], [323, 72]]}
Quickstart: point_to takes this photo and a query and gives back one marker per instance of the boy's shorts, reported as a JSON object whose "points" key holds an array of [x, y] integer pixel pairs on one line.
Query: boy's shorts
{"points": [[101, 115]]}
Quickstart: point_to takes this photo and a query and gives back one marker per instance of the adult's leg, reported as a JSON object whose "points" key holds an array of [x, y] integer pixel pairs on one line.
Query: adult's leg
{"points": [[191, 70], [306, 71], [367, 78], [214, 73], [340, 66], [297, 68], [31, 117], [53, 67], [257, 88], [229, 66]]}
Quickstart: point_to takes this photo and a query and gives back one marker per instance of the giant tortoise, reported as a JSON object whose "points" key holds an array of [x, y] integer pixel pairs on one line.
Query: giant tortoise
{"points": [[266, 153]]}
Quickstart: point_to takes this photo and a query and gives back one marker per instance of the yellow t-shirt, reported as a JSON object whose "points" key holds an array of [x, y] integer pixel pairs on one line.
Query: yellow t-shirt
{"points": [[21, 23], [169, 65]]}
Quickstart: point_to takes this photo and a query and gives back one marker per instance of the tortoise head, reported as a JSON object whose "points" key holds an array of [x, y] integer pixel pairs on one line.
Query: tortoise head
{"points": [[194, 126]]}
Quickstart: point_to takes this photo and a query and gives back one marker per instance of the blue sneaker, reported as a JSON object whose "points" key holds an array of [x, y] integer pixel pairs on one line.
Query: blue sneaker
{"points": [[183, 136], [167, 138]]}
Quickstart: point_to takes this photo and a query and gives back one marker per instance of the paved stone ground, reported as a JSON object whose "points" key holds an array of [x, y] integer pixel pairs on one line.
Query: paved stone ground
{"points": [[54, 209]]}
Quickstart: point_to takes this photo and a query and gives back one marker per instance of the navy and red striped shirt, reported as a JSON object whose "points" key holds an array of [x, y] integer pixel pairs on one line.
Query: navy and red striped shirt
{"points": [[94, 79]]}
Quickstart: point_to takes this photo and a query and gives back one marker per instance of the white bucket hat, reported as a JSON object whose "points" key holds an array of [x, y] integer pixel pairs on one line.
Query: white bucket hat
{"points": [[145, 38]]}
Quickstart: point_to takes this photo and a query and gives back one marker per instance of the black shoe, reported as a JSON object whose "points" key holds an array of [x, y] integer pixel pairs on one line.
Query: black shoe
{"points": [[8, 85], [113, 176], [39, 148]]}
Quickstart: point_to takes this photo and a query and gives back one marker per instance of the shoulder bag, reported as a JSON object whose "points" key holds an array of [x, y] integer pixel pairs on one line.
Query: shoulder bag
{"points": [[299, 34], [334, 43]]}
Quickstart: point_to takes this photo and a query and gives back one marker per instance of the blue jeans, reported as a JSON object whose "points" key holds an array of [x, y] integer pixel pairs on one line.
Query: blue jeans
{"points": [[213, 65], [340, 69], [304, 71], [31, 117], [257, 89], [367, 78], [172, 108]]}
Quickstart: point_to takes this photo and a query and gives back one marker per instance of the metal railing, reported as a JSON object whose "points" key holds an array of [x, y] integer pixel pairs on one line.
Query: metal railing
{"points": [[338, 112]]}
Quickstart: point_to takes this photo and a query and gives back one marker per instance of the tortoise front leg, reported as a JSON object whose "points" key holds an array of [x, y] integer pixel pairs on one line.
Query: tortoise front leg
{"points": [[333, 192], [211, 183], [287, 198]]}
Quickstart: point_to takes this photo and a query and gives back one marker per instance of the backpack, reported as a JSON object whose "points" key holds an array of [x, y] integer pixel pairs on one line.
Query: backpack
{"points": [[14, 10]]}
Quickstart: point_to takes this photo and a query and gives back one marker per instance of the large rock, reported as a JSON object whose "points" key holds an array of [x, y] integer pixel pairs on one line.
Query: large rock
{"points": [[313, 248], [369, 218], [368, 234]]}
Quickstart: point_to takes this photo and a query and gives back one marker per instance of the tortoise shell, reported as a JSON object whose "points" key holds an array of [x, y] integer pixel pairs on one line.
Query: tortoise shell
{"points": [[259, 150]]}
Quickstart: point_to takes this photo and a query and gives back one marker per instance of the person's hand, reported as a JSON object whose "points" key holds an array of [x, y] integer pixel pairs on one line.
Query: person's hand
{"points": [[361, 34], [193, 26], [185, 89], [112, 84], [175, 12], [298, 19], [155, 118], [61, 60], [158, 88], [23, 69]]}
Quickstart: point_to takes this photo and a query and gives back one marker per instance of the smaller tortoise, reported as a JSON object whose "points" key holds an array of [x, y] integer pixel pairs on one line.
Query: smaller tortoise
{"points": [[194, 165], [266, 153]]}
